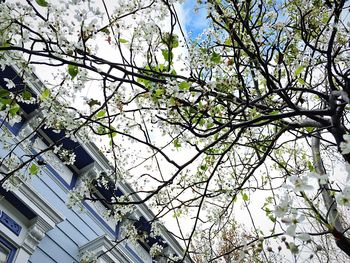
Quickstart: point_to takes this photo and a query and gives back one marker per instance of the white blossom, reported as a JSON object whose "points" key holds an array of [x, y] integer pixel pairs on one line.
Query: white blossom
{"points": [[292, 223], [300, 183], [345, 145], [121, 211], [293, 248], [9, 83], [155, 250], [303, 237], [155, 229], [129, 231], [343, 198], [76, 195], [347, 169], [322, 178], [14, 119], [88, 257]]}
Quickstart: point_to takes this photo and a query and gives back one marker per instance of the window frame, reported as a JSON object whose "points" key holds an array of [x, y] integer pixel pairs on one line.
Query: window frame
{"points": [[11, 248]]}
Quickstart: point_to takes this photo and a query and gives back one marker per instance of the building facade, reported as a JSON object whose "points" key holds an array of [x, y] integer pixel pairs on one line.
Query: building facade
{"points": [[35, 223]]}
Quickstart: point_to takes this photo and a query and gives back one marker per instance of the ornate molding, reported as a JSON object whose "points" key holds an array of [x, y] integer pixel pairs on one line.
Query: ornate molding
{"points": [[11, 224], [35, 234], [106, 249]]}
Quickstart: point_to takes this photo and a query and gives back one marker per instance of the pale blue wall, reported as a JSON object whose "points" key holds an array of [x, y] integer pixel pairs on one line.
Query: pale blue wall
{"points": [[62, 243]]}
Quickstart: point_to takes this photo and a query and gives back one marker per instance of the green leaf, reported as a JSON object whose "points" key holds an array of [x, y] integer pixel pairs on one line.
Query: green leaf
{"points": [[5, 44], [171, 40], [177, 144], [4, 102], [4, 93], [173, 72], [293, 248], [272, 218], [177, 213], [101, 113], [201, 122], [93, 102], [184, 85], [172, 101], [245, 197], [26, 95], [311, 167], [228, 41], [14, 109], [204, 167], [325, 17], [299, 70], [310, 129], [42, 3], [105, 30], [275, 112], [143, 81], [112, 131], [165, 54], [301, 81], [123, 41], [159, 92], [210, 125], [45, 94], [215, 57], [101, 130], [174, 41], [34, 169], [73, 70]]}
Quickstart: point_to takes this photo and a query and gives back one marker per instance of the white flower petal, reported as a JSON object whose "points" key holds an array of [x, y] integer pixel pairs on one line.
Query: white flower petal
{"points": [[304, 237], [291, 230]]}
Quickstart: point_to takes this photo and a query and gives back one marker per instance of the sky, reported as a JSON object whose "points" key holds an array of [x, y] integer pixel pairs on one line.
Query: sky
{"points": [[194, 22], [193, 17]]}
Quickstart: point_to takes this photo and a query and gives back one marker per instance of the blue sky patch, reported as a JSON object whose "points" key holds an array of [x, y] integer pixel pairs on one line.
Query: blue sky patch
{"points": [[195, 18]]}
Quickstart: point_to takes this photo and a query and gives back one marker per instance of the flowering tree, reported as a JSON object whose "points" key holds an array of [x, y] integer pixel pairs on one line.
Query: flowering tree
{"points": [[255, 107]]}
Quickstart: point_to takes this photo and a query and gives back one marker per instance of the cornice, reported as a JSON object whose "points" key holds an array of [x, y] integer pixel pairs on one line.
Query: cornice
{"points": [[104, 246], [35, 234], [39, 205]]}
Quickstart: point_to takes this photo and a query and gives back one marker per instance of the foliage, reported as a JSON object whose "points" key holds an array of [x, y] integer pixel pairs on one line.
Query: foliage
{"points": [[255, 107]]}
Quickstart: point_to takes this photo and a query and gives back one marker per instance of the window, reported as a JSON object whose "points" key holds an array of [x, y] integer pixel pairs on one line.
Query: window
{"points": [[4, 252], [7, 251]]}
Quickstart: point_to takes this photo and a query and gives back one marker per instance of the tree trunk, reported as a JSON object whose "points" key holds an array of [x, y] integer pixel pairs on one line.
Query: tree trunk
{"points": [[333, 218]]}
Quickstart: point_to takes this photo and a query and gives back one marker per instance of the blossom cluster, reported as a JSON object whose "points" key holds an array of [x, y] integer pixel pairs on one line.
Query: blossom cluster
{"points": [[88, 257], [155, 250], [77, 195]]}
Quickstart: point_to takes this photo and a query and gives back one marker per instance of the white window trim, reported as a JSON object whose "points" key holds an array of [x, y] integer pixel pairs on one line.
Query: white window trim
{"points": [[47, 218], [104, 246]]}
